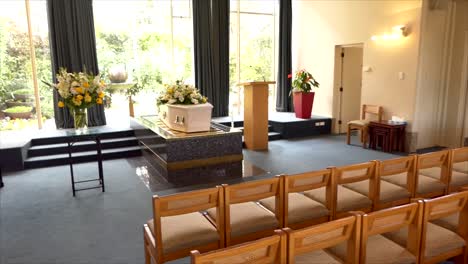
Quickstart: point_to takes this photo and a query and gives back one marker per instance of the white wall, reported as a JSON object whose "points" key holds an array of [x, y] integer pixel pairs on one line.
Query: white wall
{"points": [[318, 26]]}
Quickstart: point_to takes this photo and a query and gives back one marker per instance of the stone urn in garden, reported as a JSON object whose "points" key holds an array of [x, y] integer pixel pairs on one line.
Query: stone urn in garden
{"points": [[183, 108], [303, 96], [78, 91]]}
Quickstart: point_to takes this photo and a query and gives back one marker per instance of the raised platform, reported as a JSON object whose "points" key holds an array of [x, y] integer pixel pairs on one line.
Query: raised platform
{"points": [[44, 148], [285, 125], [176, 154]]}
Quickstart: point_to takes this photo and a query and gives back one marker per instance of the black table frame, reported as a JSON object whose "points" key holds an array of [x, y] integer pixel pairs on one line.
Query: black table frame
{"points": [[71, 142]]}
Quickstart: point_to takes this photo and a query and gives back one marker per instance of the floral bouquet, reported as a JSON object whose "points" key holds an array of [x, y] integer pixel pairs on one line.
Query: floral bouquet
{"points": [[181, 94], [79, 90], [303, 81]]}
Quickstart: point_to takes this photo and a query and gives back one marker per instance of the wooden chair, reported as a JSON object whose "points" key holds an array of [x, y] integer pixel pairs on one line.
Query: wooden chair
{"points": [[441, 239], [262, 251], [178, 227], [354, 188], [245, 218], [299, 210], [395, 182], [315, 244], [432, 174], [376, 247], [458, 169], [362, 124]]}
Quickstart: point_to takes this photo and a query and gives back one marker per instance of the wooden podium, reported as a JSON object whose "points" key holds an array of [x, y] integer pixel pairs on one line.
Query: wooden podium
{"points": [[256, 114]]}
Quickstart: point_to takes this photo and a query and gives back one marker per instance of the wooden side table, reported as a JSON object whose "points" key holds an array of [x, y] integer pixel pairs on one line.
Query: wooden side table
{"points": [[392, 135]]}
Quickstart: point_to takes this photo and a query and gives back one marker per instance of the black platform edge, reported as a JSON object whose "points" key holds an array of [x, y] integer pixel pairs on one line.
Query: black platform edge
{"points": [[62, 148], [282, 128], [302, 128], [83, 157]]}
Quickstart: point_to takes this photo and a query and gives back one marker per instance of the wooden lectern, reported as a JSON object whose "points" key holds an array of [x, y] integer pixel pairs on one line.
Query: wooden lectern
{"points": [[256, 114]]}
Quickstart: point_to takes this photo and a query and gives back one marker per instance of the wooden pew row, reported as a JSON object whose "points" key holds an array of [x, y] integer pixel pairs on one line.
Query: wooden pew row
{"points": [[252, 210], [402, 234]]}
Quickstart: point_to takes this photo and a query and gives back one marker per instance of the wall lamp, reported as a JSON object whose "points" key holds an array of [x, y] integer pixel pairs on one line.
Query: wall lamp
{"points": [[397, 32]]}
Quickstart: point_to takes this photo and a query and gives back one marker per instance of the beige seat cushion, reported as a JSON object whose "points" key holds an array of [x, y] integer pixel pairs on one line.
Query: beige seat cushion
{"points": [[458, 178], [359, 122], [399, 179], [316, 257], [300, 208], [249, 218], [388, 191], [185, 231], [427, 185], [434, 172], [450, 222], [438, 240], [460, 166], [379, 250], [347, 199]]}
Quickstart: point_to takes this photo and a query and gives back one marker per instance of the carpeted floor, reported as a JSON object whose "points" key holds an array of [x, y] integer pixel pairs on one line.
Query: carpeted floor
{"points": [[40, 221]]}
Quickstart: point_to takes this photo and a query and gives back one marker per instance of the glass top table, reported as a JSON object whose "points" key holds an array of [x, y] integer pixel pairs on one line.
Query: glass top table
{"points": [[157, 126]]}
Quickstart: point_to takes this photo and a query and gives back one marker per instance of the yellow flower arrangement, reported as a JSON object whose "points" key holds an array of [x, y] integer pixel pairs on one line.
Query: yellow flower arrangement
{"points": [[180, 93], [79, 90]]}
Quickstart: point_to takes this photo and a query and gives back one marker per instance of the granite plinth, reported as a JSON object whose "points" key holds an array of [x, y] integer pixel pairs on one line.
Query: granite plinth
{"points": [[172, 150]]}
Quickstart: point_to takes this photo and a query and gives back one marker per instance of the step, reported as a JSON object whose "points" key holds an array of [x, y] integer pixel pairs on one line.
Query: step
{"points": [[80, 157], [270, 128], [271, 137], [62, 148], [63, 139]]}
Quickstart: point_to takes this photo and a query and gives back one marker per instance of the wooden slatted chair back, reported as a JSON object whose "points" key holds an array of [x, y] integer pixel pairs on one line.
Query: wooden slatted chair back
{"points": [[305, 182], [269, 250], [394, 219], [372, 109], [324, 236], [185, 203], [441, 208], [396, 168], [252, 191], [355, 172]]}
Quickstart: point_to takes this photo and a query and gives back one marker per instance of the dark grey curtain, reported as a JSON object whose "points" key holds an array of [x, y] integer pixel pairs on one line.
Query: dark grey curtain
{"points": [[211, 52], [283, 86], [73, 46]]}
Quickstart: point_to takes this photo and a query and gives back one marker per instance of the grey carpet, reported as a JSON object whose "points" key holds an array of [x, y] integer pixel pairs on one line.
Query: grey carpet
{"points": [[40, 221]]}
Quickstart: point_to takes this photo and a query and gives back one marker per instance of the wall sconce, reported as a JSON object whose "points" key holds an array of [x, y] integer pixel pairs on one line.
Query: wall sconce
{"points": [[397, 32]]}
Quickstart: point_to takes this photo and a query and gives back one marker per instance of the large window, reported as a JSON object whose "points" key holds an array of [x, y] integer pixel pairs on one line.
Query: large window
{"points": [[17, 105], [253, 31], [151, 39]]}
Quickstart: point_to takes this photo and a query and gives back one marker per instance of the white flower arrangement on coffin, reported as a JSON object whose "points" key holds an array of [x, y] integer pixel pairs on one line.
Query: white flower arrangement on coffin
{"points": [[183, 108]]}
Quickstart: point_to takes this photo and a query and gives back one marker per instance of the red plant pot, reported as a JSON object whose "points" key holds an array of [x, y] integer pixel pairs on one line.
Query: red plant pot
{"points": [[303, 103]]}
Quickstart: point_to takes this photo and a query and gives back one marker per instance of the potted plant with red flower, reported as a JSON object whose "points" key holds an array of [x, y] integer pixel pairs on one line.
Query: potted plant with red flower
{"points": [[303, 96]]}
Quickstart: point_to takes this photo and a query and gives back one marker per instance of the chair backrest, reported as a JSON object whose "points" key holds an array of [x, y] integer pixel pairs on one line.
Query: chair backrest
{"points": [[262, 251], [438, 159], [355, 173], [188, 202], [372, 109], [394, 219], [406, 165], [459, 155], [309, 181], [326, 235], [442, 207], [254, 191]]}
